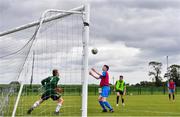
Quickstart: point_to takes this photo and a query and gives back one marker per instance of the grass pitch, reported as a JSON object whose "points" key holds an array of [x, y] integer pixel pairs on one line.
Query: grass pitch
{"points": [[139, 105], [136, 105]]}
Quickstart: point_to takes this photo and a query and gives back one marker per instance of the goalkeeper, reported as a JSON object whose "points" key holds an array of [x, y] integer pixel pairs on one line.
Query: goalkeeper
{"points": [[51, 91]]}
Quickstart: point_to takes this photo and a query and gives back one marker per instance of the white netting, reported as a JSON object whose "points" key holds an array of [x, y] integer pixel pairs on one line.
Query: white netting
{"points": [[58, 46]]}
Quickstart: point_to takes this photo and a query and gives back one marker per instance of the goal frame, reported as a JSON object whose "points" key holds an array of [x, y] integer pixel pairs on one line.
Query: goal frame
{"points": [[85, 11]]}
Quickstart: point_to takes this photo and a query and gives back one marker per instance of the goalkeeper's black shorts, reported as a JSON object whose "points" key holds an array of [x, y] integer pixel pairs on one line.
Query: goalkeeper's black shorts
{"points": [[46, 96]]}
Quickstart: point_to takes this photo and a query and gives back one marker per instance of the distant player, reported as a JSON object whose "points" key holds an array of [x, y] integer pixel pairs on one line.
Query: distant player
{"points": [[171, 88], [120, 88], [51, 91], [104, 84]]}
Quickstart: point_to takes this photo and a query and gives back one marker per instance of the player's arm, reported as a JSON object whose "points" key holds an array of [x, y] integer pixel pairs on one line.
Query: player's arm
{"points": [[102, 75], [44, 81], [95, 71], [168, 86], [57, 80], [93, 75], [124, 88], [174, 87], [115, 86]]}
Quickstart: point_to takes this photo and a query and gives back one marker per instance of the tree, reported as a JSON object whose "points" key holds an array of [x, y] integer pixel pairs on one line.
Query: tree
{"points": [[175, 73], [155, 72], [146, 83]]}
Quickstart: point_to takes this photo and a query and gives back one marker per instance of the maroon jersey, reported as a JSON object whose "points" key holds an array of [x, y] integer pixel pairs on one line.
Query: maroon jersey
{"points": [[171, 85], [104, 79]]}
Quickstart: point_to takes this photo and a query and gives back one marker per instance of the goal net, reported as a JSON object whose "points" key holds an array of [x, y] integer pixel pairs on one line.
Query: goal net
{"points": [[29, 53]]}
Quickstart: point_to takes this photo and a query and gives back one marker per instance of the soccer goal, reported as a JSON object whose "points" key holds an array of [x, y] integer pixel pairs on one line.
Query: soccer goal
{"points": [[29, 53]]}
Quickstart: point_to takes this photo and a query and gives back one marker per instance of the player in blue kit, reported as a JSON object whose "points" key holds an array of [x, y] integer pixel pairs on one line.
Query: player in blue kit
{"points": [[104, 84]]}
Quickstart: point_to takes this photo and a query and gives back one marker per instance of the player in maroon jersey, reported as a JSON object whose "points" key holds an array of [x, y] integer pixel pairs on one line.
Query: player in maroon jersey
{"points": [[171, 88]]}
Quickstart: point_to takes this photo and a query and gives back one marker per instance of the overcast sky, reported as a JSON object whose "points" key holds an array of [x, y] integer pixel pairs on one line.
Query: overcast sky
{"points": [[127, 33]]}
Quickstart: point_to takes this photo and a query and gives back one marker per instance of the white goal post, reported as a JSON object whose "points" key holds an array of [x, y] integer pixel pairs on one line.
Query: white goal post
{"points": [[85, 12]]}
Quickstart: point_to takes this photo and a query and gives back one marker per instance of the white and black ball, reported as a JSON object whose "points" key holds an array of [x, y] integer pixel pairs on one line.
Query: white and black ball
{"points": [[94, 51]]}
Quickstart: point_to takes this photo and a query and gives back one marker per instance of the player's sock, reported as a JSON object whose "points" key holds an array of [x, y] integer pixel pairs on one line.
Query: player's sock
{"points": [[58, 107], [169, 96], [102, 105], [122, 100], [173, 96], [107, 105], [117, 100], [36, 104]]}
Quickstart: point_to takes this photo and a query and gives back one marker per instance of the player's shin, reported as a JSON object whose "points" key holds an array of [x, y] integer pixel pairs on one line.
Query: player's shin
{"points": [[102, 105], [58, 107], [36, 104], [117, 100], [173, 97], [108, 105], [122, 100], [169, 96]]}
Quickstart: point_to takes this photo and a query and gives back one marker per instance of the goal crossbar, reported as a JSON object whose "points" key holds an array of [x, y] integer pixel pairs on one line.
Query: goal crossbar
{"points": [[76, 10]]}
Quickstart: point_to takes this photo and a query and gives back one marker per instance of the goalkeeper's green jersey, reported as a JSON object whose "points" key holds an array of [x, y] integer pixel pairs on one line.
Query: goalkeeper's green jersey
{"points": [[50, 84], [120, 85]]}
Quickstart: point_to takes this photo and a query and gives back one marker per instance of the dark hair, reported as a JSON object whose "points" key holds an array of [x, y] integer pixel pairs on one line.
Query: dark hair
{"points": [[107, 67], [170, 79], [54, 72], [121, 76]]}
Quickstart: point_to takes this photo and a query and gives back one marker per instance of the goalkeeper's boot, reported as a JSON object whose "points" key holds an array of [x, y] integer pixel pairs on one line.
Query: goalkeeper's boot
{"points": [[30, 110], [56, 113]]}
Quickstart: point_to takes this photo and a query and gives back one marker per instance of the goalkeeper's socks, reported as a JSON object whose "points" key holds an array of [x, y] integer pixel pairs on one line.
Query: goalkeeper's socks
{"points": [[58, 107], [102, 105], [107, 105], [36, 104]]}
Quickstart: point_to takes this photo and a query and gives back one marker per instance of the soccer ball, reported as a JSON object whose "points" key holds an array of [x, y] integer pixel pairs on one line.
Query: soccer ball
{"points": [[94, 51]]}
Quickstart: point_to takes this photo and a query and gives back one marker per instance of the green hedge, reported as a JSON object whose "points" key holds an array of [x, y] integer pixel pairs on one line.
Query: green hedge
{"points": [[92, 90]]}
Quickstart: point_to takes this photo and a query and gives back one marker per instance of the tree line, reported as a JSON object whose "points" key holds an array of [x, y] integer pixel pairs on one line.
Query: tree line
{"points": [[155, 70]]}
